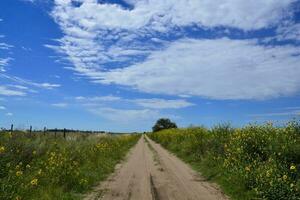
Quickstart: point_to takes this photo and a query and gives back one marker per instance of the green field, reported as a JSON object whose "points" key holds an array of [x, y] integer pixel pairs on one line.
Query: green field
{"points": [[44, 167], [254, 162]]}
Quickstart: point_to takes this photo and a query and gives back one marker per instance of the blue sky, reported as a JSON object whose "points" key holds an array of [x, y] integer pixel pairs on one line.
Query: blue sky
{"points": [[119, 65]]}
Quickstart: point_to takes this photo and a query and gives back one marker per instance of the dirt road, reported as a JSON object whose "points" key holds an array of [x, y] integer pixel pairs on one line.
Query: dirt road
{"points": [[152, 173]]}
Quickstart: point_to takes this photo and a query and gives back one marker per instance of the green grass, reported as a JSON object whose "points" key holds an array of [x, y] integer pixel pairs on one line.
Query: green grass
{"points": [[44, 167], [254, 162]]}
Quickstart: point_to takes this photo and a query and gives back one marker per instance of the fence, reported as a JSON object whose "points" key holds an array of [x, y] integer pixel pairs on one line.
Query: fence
{"points": [[55, 132]]}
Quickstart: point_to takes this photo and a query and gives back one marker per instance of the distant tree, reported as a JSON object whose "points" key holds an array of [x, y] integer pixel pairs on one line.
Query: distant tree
{"points": [[163, 123]]}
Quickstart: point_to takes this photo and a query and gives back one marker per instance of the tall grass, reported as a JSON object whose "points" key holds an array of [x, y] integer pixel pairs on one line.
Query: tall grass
{"points": [[44, 167], [254, 162]]}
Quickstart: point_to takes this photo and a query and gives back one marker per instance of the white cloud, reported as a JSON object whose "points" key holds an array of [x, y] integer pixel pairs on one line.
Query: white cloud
{"points": [[56, 76], [5, 46], [18, 80], [126, 111], [184, 96], [293, 108], [48, 86], [162, 103], [277, 114], [290, 32], [218, 69], [159, 13], [152, 103], [125, 115], [2, 108], [31, 1], [3, 63], [9, 114], [12, 92], [21, 87], [98, 34], [9, 92], [60, 105], [98, 98]]}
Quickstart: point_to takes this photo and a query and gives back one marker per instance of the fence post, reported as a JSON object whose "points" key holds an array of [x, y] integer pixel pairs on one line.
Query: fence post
{"points": [[64, 133], [11, 128], [30, 131], [44, 130]]}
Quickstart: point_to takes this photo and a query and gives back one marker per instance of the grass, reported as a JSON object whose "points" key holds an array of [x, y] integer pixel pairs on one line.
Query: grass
{"points": [[45, 167], [254, 162]]}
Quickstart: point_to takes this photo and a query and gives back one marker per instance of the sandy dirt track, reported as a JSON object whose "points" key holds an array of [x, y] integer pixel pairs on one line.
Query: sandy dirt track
{"points": [[151, 173]]}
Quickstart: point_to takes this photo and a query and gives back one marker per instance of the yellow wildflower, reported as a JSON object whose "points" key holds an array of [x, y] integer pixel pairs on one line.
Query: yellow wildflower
{"points": [[284, 177], [19, 173], [293, 167], [34, 182], [83, 181], [2, 149], [247, 169]]}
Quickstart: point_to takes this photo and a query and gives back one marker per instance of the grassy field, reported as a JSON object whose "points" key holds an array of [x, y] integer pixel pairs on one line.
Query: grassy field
{"points": [[45, 167], [254, 162]]}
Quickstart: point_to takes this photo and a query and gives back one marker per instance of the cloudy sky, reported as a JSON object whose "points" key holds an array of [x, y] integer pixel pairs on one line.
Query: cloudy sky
{"points": [[121, 64]]}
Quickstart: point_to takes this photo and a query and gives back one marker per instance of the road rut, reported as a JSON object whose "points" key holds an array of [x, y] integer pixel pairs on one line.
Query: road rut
{"points": [[152, 173]]}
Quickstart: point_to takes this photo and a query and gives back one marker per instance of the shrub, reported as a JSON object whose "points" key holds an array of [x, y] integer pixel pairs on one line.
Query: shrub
{"points": [[162, 124]]}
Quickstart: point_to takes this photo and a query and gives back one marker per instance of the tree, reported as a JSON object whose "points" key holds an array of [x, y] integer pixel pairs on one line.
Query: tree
{"points": [[163, 123]]}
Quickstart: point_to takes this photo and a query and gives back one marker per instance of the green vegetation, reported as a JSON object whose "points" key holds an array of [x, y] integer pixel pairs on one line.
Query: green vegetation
{"points": [[254, 162], [45, 167]]}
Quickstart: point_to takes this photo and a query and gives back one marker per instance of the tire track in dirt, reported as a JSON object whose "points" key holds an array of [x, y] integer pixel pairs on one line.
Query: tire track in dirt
{"points": [[152, 173]]}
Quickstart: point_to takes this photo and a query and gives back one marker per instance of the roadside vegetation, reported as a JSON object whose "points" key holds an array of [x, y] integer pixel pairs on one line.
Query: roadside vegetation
{"points": [[45, 167], [254, 162]]}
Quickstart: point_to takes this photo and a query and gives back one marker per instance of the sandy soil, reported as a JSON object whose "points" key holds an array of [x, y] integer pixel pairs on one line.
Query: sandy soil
{"points": [[152, 173]]}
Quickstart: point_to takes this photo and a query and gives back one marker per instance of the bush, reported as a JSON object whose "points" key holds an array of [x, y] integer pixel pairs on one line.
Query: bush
{"points": [[162, 124]]}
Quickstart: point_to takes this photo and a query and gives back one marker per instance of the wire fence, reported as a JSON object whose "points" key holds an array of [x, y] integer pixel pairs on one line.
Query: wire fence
{"points": [[56, 132]]}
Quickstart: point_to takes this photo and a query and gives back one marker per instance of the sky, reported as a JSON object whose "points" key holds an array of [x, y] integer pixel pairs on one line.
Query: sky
{"points": [[119, 65]]}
